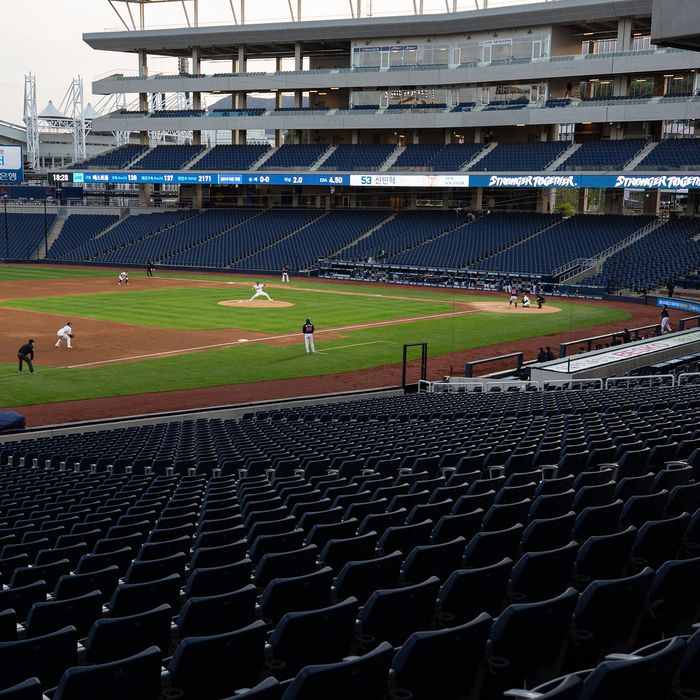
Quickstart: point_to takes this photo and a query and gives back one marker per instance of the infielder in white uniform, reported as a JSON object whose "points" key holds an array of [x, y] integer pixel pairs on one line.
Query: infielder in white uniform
{"points": [[259, 292], [65, 333], [123, 277]]}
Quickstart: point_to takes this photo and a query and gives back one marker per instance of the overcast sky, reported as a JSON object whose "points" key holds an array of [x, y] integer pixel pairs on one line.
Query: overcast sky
{"points": [[45, 37]]}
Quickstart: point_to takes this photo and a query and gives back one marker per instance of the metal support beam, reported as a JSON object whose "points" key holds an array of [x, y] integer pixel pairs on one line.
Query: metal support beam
{"points": [[184, 9], [233, 12], [121, 19]]}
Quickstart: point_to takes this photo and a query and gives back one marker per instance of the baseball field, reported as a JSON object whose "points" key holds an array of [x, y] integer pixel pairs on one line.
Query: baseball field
{"points": [[180, 331]]}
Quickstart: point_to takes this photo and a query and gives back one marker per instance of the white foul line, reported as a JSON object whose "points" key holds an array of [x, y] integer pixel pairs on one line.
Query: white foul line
{"points": [[338, 329], [357, 345]]}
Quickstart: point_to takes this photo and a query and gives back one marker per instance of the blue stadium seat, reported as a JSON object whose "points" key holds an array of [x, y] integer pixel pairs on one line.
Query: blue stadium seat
{"points": [[310, 637], [115, 638], [442, 663], [356, 677], [136, 677], [216, 666]]}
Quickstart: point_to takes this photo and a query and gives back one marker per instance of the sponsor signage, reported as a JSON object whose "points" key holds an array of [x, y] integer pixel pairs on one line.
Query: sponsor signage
{"points": [[679, 304], [11, 170]]}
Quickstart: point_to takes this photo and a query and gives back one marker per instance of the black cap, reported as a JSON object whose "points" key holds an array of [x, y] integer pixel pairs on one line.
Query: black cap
{"points": [[308, 320], [31, 340]]}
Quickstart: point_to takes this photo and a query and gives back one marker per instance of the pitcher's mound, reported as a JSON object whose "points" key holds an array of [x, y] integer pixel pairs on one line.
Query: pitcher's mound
{"points": [[501, 307], [256, 304]]}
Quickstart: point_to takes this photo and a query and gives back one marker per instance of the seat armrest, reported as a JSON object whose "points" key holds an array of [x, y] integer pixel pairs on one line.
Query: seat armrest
{"points": [[622, 657]]}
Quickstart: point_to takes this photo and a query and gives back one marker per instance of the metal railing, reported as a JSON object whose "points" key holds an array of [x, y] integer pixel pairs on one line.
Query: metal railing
{"points": [[458, 385], [587, 343], [688, 378], [469, 367], [647, 381], [595, 261], [686, 322], [572, 384]]}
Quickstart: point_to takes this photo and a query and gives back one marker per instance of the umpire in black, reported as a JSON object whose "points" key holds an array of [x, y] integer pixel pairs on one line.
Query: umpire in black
{"points": [[26, 354]]}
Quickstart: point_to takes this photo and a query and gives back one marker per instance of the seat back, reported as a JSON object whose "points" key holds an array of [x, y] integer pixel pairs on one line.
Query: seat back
{"points": [[44, 657], [50, 616], [442, 663], [202, 616], [313, 636], [649, 676], [358, 677], [217, 665], [394, 614], [136, 677], [296, 593]]}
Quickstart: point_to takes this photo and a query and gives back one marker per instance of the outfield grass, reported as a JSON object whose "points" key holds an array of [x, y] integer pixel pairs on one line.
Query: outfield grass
{"points": [[250, 362], [11, 273]]}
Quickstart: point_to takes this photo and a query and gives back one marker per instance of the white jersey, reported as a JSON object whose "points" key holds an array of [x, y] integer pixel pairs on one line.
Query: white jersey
{"points": [[258, 287], [62, 332], [123, 276]]}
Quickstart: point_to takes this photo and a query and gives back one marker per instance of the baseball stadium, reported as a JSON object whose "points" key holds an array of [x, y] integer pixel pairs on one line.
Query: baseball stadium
{"points": [[355, 356]]}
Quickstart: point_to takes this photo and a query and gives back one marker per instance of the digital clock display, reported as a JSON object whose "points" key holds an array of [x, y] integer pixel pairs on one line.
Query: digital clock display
{"points": [[60, 177]]}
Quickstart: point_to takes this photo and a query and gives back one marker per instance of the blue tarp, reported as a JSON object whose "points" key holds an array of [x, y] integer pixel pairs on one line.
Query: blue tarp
{"points": [[11, 422]]}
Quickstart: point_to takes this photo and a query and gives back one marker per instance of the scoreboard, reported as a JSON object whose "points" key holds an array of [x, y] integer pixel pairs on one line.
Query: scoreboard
{"points": [[542, 180]]}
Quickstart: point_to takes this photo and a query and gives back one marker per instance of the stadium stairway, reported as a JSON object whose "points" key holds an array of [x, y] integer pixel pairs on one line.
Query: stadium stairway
{"points": [[564, 156], [54, 233], [167, 259], [389, 162], [132, 238], [140, 158], [479, 156], [221, 233], [264, 158], [383, 222], [416, 244], [253, 253], [192, 165], [109, 228], [317, 165], [641, 155], [595, 265], [555, 222]]}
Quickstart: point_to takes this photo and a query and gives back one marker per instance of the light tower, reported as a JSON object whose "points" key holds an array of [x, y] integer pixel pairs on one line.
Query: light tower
{"points": [[73, 106], [31, 120]]}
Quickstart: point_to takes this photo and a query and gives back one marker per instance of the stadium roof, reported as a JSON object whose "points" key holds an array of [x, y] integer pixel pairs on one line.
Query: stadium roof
{"points": [[327, 36], [676, 23]]}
